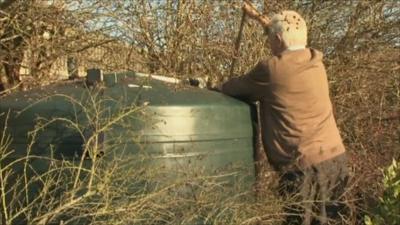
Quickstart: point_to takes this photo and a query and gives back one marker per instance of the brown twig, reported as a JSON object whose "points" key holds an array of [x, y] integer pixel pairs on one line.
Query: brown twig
{"points": [[237, 44]]}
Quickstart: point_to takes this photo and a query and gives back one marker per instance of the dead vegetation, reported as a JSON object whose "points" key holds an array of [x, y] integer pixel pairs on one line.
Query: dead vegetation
{"points": [[192, 38]]}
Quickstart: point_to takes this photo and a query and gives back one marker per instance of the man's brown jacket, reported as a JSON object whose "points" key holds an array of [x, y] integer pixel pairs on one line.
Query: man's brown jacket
{"points": [[296, 112]]}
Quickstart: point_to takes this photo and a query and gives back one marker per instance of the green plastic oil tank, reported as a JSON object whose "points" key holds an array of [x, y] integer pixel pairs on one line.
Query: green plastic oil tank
{"points": [[181, 129]]}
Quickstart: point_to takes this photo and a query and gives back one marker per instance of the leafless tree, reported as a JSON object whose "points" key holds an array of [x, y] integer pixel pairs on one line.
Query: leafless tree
{"points": [[192, 38]]}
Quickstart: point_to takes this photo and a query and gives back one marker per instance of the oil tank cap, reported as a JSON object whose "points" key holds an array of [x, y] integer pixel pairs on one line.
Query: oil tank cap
{"points": [[94, 76]]}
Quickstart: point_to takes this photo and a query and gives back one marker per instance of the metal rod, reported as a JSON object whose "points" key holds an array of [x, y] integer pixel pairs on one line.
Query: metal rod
{"points": [[237, 43]]}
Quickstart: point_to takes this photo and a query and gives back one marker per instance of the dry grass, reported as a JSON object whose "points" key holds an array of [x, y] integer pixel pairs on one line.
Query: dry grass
{"points": [[196, 40]]}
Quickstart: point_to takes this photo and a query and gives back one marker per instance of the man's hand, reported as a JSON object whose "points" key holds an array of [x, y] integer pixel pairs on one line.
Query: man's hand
{"points": [[216, 87], [252, 12], [198, 82]]}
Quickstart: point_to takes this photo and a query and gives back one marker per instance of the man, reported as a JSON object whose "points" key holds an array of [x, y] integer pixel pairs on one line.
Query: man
{"points": [[300, 135]]}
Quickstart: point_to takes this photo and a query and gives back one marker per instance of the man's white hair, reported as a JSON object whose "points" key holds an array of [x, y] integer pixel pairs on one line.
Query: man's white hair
{"points": [[291, 27]]}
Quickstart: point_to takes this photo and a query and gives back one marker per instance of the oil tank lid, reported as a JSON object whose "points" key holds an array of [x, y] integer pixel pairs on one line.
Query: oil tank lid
{"points": [[94, 76]]}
